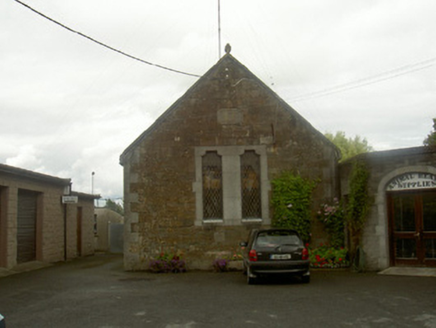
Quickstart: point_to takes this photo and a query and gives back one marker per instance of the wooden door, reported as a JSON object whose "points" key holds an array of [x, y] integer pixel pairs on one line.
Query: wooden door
{"points": [[413, 228]]}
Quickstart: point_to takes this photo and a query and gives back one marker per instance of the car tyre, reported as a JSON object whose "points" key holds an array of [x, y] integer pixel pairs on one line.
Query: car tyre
{"points": [[250, 280], [305, 279]]}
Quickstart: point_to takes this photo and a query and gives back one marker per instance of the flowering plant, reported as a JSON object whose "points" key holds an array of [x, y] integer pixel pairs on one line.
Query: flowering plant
{"points": [[220, 265], [236, 256], [332, 217], [166, 263], [328, 257]]}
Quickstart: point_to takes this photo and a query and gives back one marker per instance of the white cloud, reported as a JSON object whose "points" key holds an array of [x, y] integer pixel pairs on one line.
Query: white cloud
{"points": [[69, 107], [27, 157]]}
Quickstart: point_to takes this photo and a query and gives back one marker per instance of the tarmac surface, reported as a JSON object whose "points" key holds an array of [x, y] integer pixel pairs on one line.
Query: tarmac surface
{"points": [[96, 292]]}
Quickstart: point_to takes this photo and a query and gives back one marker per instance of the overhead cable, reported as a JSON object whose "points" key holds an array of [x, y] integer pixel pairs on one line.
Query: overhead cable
{"points": [[368, 80], [105, 45]]}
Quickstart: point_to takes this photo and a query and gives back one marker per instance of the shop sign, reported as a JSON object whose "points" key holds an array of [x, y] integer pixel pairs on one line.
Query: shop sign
{"points": [[412, 181], [70, 199]]}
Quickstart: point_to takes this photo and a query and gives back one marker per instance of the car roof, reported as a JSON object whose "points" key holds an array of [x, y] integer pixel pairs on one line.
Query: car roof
{"points": [[275, 229]]}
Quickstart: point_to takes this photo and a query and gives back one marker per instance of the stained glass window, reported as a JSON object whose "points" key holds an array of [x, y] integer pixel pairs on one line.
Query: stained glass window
{"points": [[250, 185], [212, 186]]}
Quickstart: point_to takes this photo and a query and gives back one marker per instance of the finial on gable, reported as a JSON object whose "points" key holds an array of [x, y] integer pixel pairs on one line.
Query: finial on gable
{"points": [[228, 48]]}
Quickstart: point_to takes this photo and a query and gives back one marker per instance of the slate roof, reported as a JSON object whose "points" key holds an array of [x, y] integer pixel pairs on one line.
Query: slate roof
{"points": [[226, 60]]}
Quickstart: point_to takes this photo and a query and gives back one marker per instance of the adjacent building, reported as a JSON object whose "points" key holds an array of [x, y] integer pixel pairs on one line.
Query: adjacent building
{"points": [[401, 225], [108, 231], [41, 219]]}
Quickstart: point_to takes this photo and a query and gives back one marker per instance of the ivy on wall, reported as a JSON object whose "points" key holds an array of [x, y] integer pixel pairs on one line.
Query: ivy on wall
{"points": [[358, 205], [291, 200]]}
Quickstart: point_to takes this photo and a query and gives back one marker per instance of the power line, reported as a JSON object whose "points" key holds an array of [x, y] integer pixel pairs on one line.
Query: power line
{"points": [[105, 45], [368, 80]]}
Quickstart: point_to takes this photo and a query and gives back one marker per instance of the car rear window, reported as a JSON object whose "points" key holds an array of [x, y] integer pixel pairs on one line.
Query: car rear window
{"points": [[275, 238]]}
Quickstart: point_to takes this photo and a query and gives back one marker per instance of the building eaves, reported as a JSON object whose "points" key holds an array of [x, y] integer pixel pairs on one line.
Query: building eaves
{"points": [[249, 76], [82, 195], [163, 117], [6, 169], [401, 152]]}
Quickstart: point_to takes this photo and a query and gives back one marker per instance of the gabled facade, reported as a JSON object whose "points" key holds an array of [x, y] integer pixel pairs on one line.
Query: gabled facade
{"points": [[199, 178]]}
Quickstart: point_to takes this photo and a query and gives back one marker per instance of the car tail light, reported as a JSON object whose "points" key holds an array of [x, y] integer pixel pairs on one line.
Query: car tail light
{"points": [[252, 256], [305, 254]]}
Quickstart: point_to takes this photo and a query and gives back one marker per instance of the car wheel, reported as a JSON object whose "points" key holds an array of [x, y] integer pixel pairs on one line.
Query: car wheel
{"points": [[305, 279], [250, 280]]}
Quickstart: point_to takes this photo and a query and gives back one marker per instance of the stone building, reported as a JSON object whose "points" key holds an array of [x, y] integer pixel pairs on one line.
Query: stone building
{"points": [[199, 178], [35, 224], [400, 228]]}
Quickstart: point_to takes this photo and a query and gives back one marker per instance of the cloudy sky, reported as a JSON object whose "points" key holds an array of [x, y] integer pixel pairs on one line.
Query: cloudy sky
{"points": [[69, 107]]}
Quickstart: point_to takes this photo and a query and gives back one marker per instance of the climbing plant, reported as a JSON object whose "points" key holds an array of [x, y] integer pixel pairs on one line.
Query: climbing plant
{"points": [[358, 205], [331, 215], [291, 200]]}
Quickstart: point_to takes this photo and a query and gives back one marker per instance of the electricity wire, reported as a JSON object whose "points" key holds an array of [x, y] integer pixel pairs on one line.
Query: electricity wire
{"points": [[368, 80], [105, 45]]}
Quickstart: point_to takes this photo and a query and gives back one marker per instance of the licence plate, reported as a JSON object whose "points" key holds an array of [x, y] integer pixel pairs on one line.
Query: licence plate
{"points": [[280, 256]]}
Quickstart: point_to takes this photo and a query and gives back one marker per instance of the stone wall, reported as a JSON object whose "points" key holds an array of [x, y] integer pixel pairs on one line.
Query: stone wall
{"points": [[228, 107]]}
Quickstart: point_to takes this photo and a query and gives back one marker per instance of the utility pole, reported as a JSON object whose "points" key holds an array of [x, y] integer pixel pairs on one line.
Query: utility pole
{"points": [[219, 29], [92, 183]]}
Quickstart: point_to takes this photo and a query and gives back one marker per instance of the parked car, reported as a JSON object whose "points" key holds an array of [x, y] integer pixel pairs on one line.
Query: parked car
{"points": [[275, 251], [2, 321]]}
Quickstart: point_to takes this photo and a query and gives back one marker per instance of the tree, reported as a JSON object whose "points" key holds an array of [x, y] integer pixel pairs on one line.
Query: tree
{"points": [[431, 138], [349, 147], [110, 204]]}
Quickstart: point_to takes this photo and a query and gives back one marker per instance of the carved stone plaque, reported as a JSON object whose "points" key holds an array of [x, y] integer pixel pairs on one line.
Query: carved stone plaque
{"points": [[230, 116]]}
